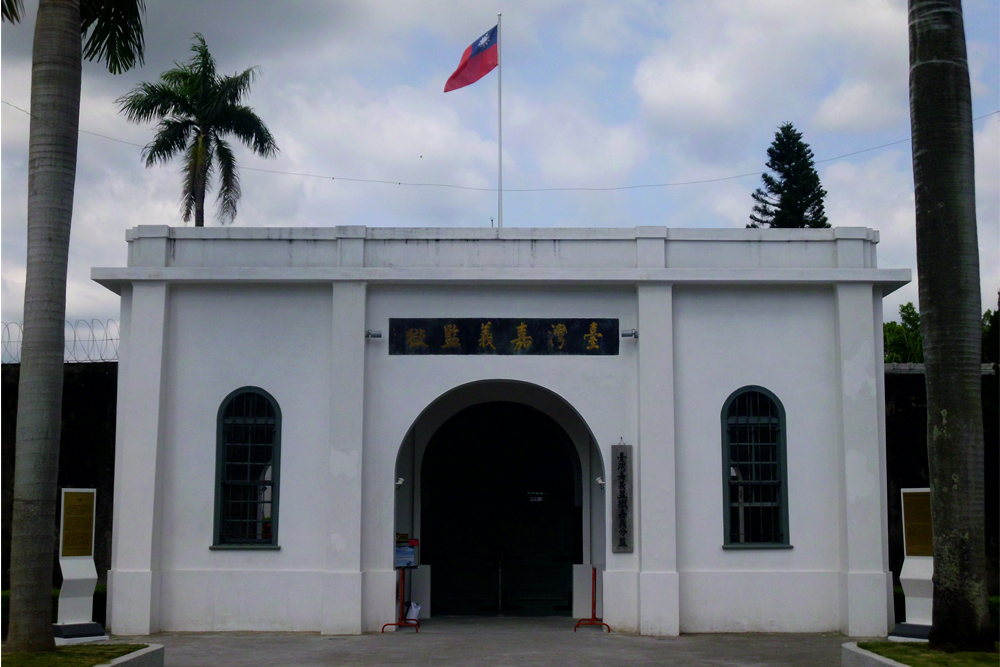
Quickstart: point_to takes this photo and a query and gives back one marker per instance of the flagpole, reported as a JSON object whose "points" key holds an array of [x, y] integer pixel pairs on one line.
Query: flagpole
{"points": [[499, 132]]}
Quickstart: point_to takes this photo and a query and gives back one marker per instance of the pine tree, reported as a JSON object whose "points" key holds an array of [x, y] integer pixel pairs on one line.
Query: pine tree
{"points": [[794, 198]]}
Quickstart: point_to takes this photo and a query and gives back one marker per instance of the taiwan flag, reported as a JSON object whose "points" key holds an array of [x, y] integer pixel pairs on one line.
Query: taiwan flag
{"points": [[478, 60]]}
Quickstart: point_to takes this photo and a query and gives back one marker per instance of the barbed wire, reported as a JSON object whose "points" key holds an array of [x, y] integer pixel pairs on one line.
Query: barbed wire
{"points": [[86, 341]]}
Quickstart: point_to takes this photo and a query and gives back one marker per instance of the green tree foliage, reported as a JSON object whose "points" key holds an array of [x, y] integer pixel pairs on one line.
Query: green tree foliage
{"points": [[793, 197], [12, 10], [197, 108], [991, 337], [903, 344], [114, 37]]}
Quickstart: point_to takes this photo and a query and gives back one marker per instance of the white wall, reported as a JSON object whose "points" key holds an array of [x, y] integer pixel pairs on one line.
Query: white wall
{"points": [[221, 338], [780, 339]]}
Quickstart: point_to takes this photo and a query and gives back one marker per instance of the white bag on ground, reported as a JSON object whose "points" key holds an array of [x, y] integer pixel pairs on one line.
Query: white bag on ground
{"points": [[413, 612]]}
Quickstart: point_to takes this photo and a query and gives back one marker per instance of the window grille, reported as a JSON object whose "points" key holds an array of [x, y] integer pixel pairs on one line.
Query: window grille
{"points": [[247, 477], [756, 498]]}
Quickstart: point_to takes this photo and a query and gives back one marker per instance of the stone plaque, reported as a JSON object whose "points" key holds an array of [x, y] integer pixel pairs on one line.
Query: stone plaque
{"points": [[917, 533], [78, 522], [503, 336], [621, 498]]}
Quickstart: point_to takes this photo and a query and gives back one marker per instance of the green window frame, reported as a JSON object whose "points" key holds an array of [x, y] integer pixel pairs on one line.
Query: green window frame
{"points": [[247, 471], [754, 470]]}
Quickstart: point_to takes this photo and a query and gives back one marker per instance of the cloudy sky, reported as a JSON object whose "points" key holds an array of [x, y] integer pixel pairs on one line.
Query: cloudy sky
{"points": [[683, 96]]}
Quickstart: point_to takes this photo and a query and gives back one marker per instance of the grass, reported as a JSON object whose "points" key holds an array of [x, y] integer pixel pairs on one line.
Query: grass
{"points": [[80, 655], [919, 655]]}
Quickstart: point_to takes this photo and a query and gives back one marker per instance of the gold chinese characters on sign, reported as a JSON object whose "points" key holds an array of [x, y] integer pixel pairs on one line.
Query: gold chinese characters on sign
{"points": [[523, 340], [78, 523], [451, 338], [504, 336], [415, 338], [486, 336]]}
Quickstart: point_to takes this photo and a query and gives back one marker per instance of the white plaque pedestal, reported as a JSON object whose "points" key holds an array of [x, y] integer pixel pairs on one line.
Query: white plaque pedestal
{"points": [[916, 578], [917, 575], [75, 624], [76, 603]]}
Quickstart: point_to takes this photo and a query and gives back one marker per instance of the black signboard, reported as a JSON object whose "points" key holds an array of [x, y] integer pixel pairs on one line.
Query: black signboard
{"points": [[504, 335], [621, 498]]}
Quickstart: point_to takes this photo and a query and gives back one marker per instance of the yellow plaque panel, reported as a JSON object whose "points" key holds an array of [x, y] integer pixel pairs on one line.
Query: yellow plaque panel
{"points": [[917, 534], [78, 523]]}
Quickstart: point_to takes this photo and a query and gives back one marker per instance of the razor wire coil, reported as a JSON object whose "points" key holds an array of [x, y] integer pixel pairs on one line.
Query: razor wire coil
{"points": [[86, 341]]}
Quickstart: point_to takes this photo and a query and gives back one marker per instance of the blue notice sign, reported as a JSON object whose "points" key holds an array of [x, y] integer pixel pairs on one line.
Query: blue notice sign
{"points": [[406, 556]]}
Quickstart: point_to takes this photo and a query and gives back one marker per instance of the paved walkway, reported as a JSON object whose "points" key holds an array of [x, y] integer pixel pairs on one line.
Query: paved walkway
{"points": [[497, 641]]}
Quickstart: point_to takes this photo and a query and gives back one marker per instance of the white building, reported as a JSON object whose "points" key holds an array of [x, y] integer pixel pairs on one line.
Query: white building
{"points": [[262, 433]]}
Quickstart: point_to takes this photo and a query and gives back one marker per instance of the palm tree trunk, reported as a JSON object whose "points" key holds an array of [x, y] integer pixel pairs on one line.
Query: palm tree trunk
{"points": [[200, 181], [948, 271], [55, 108]]}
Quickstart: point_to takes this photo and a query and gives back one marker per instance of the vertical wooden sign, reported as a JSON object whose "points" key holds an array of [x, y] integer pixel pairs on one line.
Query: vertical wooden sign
{"points": [[621, 498]]}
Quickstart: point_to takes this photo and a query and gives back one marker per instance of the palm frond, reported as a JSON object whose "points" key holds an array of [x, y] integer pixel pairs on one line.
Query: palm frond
{"points": [[197, 167], [202, 68], [187, 185], [209, 165], [229, 181], [233, 88], [13, 10], [181, 78], [116, 33], [171, 138], [247, 126], [153, 100]]}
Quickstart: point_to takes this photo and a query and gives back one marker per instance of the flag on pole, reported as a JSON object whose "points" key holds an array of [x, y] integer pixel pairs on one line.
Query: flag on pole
{"points": [[479, 59]]}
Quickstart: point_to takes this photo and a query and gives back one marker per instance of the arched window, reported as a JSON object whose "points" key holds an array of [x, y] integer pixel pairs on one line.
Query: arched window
{"points": [[247, 466], [755, 484]]}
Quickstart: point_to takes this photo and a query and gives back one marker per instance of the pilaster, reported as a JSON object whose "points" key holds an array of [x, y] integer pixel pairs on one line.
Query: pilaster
{"points": [[863, 543], [342, 589], [134, 580], [658, 580]]}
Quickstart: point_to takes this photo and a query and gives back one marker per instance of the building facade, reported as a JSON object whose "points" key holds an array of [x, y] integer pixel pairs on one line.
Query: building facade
{"points": [[696, 415]]}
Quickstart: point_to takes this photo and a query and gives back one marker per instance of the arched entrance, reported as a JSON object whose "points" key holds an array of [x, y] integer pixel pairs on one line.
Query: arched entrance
{"points": [[498, 480], [501, 528]]}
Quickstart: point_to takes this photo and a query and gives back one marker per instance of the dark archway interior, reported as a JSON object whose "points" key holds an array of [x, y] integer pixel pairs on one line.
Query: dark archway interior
{"points": [[501, 528]]}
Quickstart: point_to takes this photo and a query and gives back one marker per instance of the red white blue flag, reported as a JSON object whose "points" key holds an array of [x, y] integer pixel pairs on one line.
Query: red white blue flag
{"points": [[479, 59]]}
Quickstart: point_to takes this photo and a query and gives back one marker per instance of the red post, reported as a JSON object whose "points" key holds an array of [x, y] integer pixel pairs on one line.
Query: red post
{"points": [[593, 620], [401, 592]]}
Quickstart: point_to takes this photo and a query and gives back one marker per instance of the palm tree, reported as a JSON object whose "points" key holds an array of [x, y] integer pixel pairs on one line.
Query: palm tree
{"points": [[197, 108], [115, 37], [948, 270]]}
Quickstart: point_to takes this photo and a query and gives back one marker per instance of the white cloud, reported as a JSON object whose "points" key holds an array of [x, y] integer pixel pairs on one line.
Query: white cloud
{"points": [[675, 90], [730, 65], [607, 28], [572, 148], [859, 105]]}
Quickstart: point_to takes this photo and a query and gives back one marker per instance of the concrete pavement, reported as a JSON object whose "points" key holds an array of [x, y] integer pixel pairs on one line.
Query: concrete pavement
{"points": [[497, 641]]}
